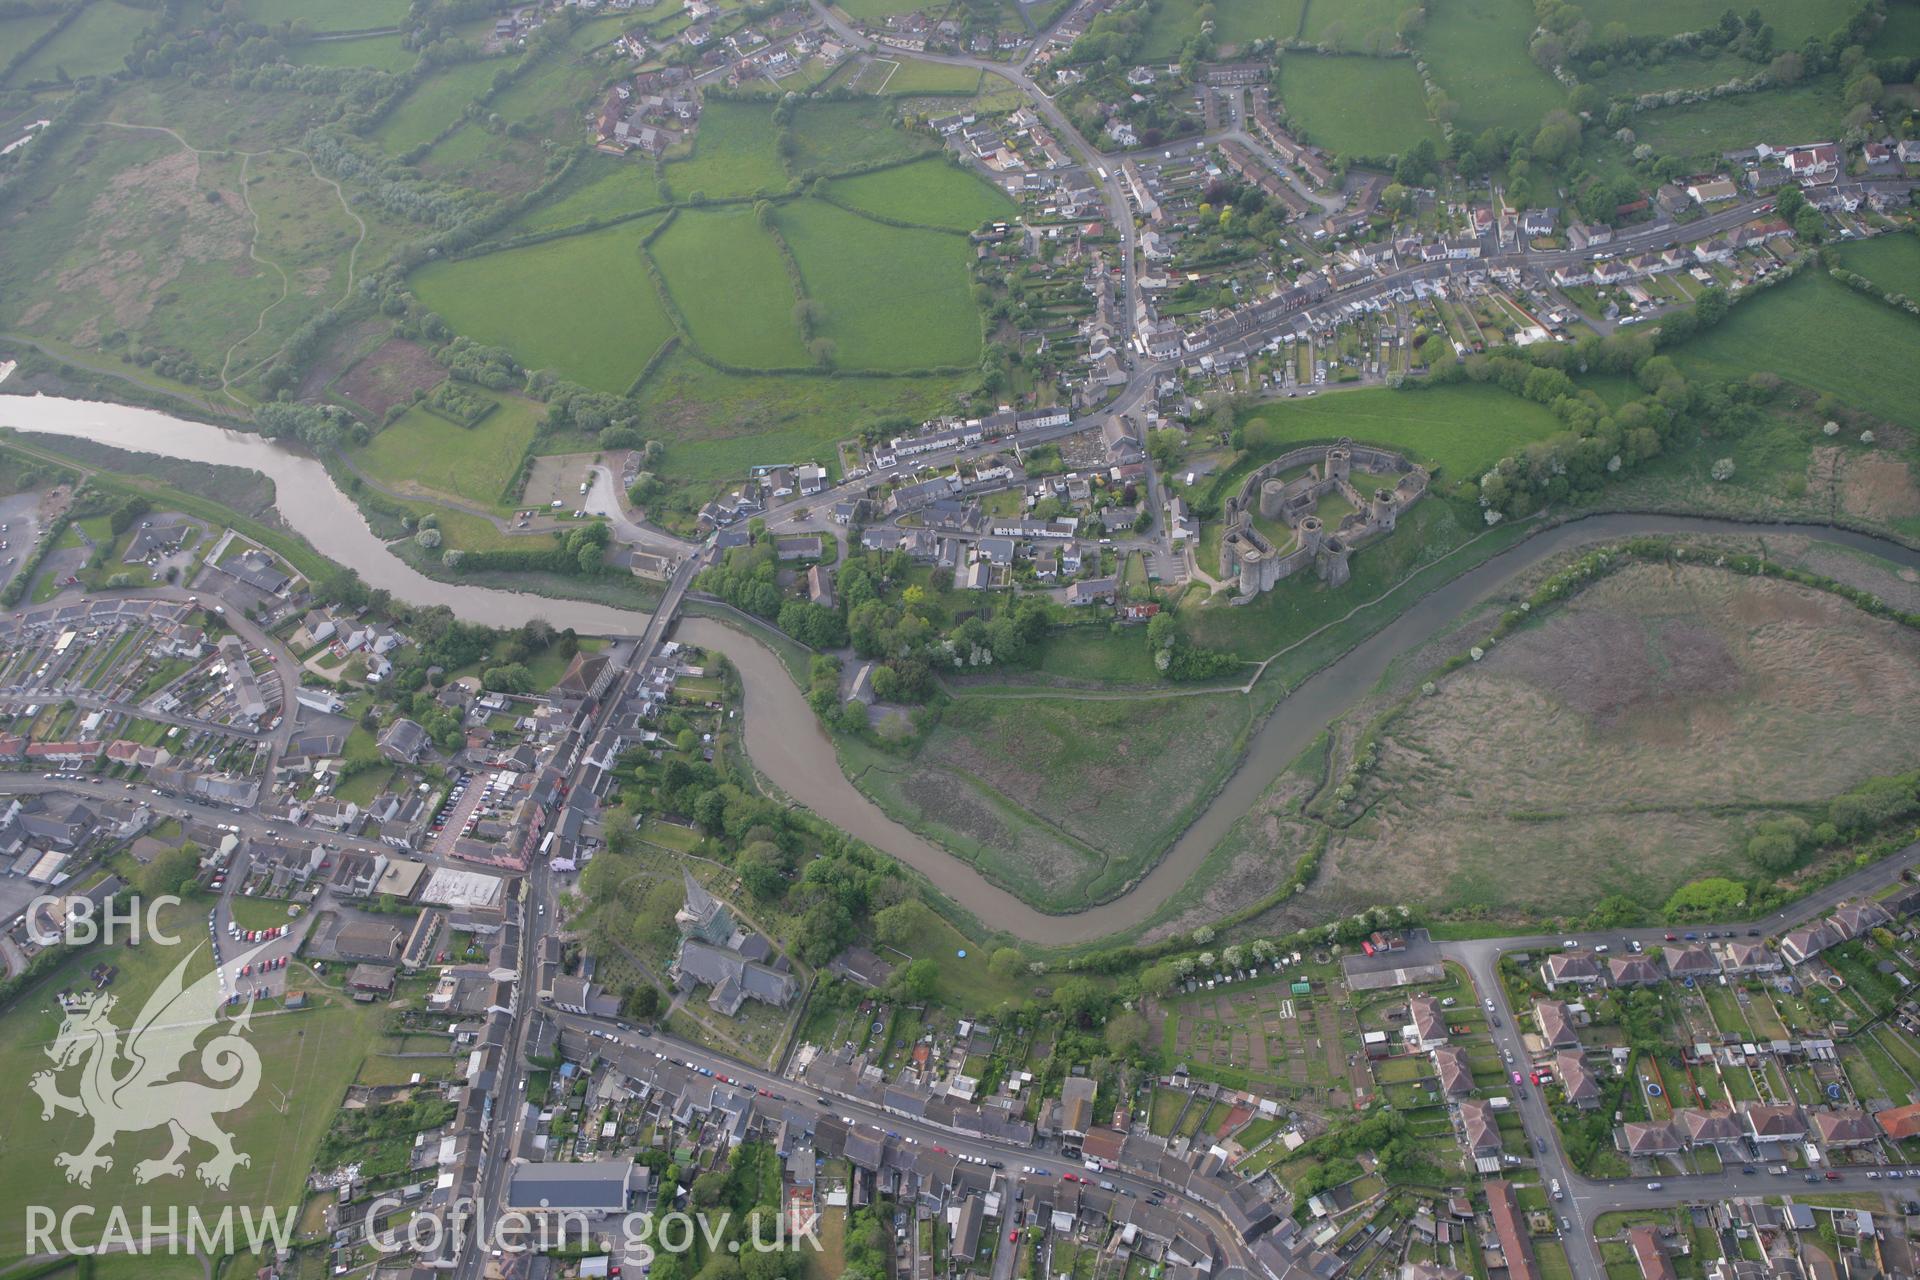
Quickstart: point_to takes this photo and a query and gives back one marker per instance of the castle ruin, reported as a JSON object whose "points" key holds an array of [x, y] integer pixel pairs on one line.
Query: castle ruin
{"points": [[1250, 558]]}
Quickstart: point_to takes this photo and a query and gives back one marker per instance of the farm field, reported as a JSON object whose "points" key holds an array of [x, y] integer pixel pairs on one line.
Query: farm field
{"points": [[311, 1055], [335, 15], [1459, 430], [435, 103], [546, 97], [92, 44], [1239, 22], [1821, 334], [726, 276], [1478, 52], [833, 137], [898, 77], [1793, 21], [930, 192], [598, 187], [733, 154], [1360, 25], [1173, 24], [1900, 36], [876, 9], [1054, 798], [425, 454], [382, 53], [894, 298], [583, 305], [17, 31], [716, 424], [1524, 783], [1810, 109], [1891, 261], [1357, 106]]}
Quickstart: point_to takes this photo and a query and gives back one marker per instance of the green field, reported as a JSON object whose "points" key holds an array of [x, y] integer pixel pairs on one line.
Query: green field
{"points": [[1357, 25], [872, 10], [435, 103], [310, 1055], [733, 154], [716, 424], [729, 282], [1357, 106], [930, 192], [1238, 22], [597, 187], [95, 43], [1793, 21], [550, 98], [1900, 37], [476, 463], [382, 53], [1478, 52], [20, 30], [833, 137], [1819, 333], [1892, 262], [583, 305], [910, 75], [334, 15], [894, 298], [1706, 129], [1459, 429], [1172, 25]]}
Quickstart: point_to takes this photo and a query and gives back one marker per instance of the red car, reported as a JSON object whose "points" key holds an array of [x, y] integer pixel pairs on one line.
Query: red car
{"points": [[1673, 937], [1013, 1237], [1832, 1176], [1071, 1177], [941, 1150]]}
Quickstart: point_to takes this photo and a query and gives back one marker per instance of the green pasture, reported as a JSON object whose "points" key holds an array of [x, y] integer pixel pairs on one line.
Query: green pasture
{"points": [[1459, 429], [930, 192], [1892, 262], [1357, 106], [730, 284], [910, 76], [733, 154], [1238, 22], [1821, 334], [598, 187], [1365, 26], [382, 53], [894, 298], [334, 15], [583, 305], [476, 463], [1793, 21], [435, 103], [716, 424], [1705, 129], [95, 43], [832, 137], [1477, 50]]}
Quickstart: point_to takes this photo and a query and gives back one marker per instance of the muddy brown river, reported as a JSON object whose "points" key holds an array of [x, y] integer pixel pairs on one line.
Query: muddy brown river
{"points": [[783, 738]]}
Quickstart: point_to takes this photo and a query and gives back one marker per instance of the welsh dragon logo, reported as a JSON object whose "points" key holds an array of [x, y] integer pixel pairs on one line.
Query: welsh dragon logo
{"points": [[126, 1085]]}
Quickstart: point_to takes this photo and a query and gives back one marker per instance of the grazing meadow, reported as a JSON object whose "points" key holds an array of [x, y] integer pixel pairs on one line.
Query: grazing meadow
{"points": [[928, 192], [582, 305], [1356, 106], [894, 298]]}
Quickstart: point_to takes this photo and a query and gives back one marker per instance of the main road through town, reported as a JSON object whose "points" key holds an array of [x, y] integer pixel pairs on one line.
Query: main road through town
{"points": [[782, 736]]}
